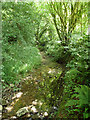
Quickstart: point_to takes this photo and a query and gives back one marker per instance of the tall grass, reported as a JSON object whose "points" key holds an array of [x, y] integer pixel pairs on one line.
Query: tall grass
{"points": [[19, 60]]}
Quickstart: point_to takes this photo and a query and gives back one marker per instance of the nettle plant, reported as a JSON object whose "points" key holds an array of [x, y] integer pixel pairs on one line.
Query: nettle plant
{"points": [[19, 60], [77, 75], [78, 66], [80, 101]]}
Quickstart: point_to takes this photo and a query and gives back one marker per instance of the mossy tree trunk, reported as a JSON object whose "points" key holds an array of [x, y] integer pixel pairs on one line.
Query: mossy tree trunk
{"points": [[66, 15]]}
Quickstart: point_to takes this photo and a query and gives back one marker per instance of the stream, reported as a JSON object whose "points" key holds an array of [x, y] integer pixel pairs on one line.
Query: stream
{"points": [[28, 103]]}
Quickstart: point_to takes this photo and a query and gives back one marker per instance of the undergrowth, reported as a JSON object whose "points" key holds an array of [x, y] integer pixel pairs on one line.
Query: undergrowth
{"points": [[17, 60]]}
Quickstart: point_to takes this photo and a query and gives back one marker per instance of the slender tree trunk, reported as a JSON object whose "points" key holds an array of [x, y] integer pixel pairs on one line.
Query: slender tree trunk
{"points": [[16, 1], [81, 27]]}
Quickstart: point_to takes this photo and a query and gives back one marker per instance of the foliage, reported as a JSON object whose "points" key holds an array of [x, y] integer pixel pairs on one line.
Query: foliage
{"points": [[66, 23], [60, 29], [80, 61], [65, 17], [19, 52], [57, 51], [77, 74], [80, 100], [44, 28], [19, 22], [18, 60]]}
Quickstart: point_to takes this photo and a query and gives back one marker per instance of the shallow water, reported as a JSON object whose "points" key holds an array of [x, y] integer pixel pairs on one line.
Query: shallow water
{"points": [[30, 86]]}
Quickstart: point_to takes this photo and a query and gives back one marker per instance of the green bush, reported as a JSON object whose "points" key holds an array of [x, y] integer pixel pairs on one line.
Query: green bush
{"points": [[55, 50], [59, 52], [80, 99], [19, 60], [18, 28], [18, 22], [80, 61], [77, 74]]}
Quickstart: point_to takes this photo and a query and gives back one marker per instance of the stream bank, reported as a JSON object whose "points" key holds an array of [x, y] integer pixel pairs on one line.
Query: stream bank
{"points": [[28, 102]]}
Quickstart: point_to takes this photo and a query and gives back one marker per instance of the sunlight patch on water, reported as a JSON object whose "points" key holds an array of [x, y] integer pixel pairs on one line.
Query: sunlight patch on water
{"points": [[34, 102], [37, 102], [45, 114], [9, 108], [18, 95], [33, 109], [51, 71], [40, 103]]}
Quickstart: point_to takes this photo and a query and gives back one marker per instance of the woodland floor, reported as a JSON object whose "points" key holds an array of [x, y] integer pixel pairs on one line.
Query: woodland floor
{"points": [[28, 93]]}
